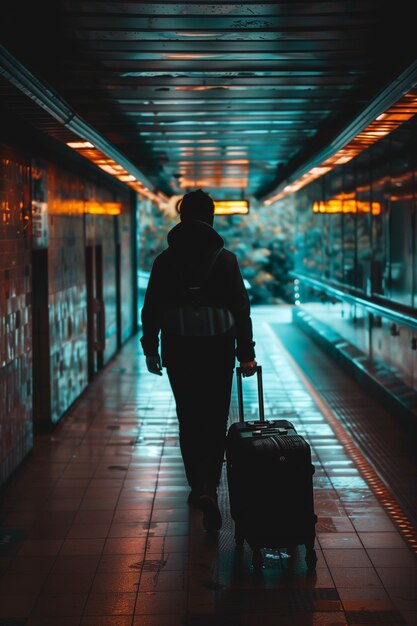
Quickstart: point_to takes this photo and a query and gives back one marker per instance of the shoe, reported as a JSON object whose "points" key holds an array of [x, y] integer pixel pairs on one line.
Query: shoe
{"points": [[212, 518], [194, 497]]}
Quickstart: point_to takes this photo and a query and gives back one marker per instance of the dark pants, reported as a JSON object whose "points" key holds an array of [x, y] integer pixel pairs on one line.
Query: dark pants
{"points": [[202, 396]]}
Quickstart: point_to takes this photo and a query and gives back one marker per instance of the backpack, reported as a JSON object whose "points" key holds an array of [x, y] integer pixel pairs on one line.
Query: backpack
{"points": [[194, 319]]}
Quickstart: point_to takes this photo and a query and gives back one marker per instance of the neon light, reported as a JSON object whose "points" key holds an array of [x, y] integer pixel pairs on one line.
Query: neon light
{"points": [[226, 207], [385, 123], [102, 208], [346, 205]]}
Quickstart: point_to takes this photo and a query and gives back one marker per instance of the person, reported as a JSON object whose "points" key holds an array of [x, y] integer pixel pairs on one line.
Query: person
{"points": [[196, 276]]}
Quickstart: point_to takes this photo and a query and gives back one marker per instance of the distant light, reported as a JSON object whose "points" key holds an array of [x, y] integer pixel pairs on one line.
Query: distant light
{"points": [[346, 205], [226, 207], [102, 208], [210, 87], [197, 34], [218, 182], [184, 55], [231, 207]]}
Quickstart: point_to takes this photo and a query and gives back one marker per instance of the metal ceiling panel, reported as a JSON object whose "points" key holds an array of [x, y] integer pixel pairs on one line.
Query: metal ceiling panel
{"points": [[221, 93]]}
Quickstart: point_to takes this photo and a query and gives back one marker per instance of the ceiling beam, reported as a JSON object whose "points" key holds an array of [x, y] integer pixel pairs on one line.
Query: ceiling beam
{"points": [[40, 93]]}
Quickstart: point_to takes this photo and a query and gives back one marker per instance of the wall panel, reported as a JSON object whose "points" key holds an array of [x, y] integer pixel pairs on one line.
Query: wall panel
{"points": [[67, 290], [48, 214], [16, 437], [371, 252], [126, 273]]}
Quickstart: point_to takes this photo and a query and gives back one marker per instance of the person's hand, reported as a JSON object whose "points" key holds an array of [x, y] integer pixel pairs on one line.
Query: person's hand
{"points": [[153, 363], [248, 368]]}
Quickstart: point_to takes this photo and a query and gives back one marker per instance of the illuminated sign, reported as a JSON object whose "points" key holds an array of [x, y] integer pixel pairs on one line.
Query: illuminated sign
{"points": [[346, 206], [102, 208], [227, 207], [231, 207]]}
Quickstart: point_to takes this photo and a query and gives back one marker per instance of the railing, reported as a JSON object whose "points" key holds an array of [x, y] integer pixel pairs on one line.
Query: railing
{"points": [[399, 314]]}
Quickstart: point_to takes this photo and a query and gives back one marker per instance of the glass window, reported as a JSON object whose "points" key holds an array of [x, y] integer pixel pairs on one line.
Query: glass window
{"points": [[400, 220]]}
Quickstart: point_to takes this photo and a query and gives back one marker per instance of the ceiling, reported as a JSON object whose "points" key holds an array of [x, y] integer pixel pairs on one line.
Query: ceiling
{"points": [[231, 97]]}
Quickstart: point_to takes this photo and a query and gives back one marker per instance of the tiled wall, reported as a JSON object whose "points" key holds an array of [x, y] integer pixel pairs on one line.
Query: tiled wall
{"points": [[15, 313], [105, 231], [44, 230], [67, 290]]}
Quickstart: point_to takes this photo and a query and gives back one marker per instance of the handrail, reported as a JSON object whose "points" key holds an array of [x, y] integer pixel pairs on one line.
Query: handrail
{"points": [[396, 313]]}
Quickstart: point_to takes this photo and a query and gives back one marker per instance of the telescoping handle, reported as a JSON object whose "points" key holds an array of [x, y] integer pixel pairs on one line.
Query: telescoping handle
{"points": [[260, 393]]}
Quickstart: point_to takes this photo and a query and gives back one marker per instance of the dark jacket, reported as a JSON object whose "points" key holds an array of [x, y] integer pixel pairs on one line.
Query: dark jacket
{"points": [[191, 245]]}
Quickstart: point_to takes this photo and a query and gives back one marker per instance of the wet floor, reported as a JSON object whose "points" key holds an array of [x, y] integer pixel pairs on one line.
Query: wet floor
{"points": [[95, 529]]}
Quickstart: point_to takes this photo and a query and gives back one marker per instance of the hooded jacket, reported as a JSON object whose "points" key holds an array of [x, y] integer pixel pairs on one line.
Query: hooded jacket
{"points": [[191, 246]]}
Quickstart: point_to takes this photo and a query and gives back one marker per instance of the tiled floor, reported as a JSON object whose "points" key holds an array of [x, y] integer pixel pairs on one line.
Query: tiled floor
{"points": [[95, 529]]}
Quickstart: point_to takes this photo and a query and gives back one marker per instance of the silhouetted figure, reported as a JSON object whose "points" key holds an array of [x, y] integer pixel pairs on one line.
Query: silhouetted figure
{"points": [[197, 299]]}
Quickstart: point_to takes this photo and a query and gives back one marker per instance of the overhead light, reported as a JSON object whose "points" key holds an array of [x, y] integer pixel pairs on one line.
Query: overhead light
{"points": [[79, 145], [196, 34], [115, 169], [400, 102], [217, 182], [208, 87], [190, 56]]}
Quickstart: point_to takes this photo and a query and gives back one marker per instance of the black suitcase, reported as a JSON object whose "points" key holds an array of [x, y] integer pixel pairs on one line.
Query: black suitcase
{"points": [[270, 483]]}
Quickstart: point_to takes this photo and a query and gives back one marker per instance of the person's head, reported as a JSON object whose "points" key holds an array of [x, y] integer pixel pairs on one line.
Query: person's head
{"points": [[197, 205]]}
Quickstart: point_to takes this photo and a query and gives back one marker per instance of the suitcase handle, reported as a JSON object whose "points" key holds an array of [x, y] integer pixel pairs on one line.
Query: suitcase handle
{"points": [[260, 393]]}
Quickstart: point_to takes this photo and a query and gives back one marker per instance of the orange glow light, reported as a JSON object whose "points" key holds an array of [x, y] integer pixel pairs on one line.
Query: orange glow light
{"points": [[87, 150], [399, 113], [206, 87], [227, 207], [240, 183], [102, 208], [231, 207], [345, 205]]}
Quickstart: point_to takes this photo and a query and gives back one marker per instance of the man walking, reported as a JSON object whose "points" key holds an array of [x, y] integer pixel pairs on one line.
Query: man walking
{"points": [[197, 299]]}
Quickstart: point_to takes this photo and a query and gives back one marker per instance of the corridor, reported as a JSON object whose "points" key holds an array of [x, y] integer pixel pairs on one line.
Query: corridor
{"points": [[95, 529]]}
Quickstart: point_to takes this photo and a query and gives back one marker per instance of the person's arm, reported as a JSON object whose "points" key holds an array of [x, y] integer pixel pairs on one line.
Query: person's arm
{"points": [[150, 316], [240, 308]]}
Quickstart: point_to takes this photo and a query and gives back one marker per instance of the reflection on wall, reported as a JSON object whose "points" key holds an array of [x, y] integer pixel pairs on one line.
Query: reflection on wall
{"points": [[15, 313], [126, 275], [67, 291], [370, 251], [103, 231], [107, 229], [48, 215]]}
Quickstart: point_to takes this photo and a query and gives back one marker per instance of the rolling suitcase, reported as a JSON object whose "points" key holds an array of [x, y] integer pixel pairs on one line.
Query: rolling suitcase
{"points": [[270, 483]]}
